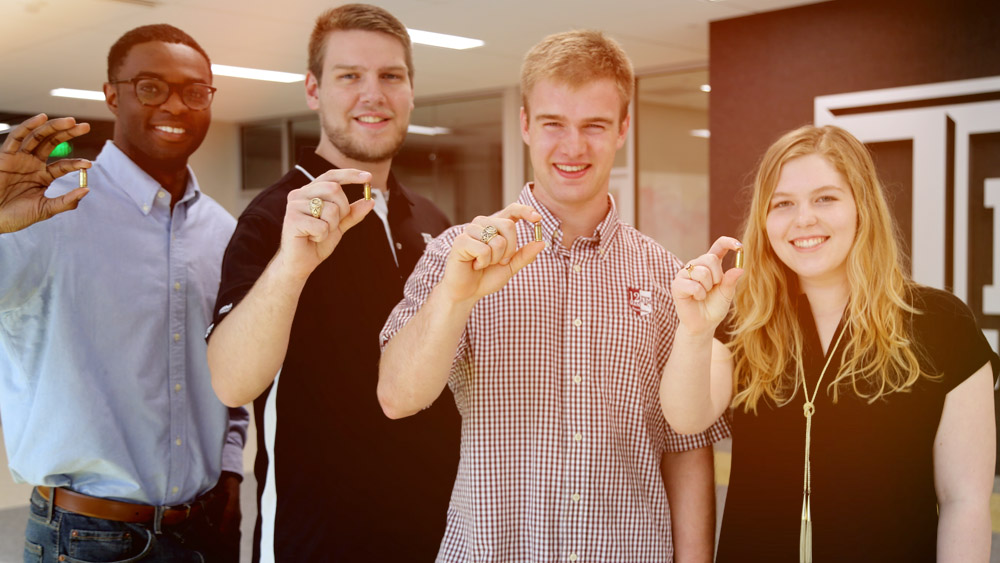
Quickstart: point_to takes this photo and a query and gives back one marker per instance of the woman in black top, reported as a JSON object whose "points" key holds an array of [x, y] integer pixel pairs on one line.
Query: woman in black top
{"points": [[863, 426]]}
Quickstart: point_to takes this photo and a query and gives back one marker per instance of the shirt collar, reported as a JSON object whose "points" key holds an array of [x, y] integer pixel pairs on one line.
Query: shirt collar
{"points": [[316, 165], [127, 176], [603, 235]]}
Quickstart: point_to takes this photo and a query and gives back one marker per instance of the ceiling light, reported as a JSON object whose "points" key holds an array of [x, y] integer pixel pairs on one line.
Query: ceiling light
{"points": [[4, 127], [703, 133], [443, 40], [257, 74], [81, 94], [705, 88], [425, 130]]}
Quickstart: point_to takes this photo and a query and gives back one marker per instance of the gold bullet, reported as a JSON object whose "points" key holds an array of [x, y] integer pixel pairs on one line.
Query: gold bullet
{"points": [[368, 192], [739, 257], [83, 177], [538, 232]]}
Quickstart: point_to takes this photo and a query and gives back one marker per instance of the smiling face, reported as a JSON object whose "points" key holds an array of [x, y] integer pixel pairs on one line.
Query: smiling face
{"points": [[364, 97], [159, 138], [812, 220], [572, 135]]}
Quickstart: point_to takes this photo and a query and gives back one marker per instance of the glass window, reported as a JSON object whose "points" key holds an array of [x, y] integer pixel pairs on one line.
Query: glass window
{"points": [[453, 155], [672, 161], [263, 157]]}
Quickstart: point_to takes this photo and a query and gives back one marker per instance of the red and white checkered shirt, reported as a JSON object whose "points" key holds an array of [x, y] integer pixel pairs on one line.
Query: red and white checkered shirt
{"points": [[557, 379]]}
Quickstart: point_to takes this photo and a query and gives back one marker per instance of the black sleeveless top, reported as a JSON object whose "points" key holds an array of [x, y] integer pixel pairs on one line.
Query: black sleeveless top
{"points": [[873, 496]]}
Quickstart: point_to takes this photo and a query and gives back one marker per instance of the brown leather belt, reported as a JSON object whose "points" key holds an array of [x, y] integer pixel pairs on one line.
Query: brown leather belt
{"points": [[116, 510]]}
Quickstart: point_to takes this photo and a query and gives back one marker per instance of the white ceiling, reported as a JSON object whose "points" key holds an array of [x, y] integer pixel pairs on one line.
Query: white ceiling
{"points": [[49, 44]]}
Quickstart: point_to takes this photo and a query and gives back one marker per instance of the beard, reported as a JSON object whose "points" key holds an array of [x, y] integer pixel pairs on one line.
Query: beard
{"points": [[349, 146]]}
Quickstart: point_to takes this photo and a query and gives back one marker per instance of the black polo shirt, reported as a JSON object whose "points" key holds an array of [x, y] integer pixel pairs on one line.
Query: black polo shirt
{"points": [[336, 479]]}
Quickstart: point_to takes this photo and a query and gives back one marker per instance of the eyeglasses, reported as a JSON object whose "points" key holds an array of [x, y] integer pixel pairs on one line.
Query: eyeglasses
{"points": [[155, 91]]}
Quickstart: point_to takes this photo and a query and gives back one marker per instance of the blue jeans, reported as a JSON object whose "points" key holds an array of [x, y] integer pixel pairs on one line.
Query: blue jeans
{"points": [[82, 539]]}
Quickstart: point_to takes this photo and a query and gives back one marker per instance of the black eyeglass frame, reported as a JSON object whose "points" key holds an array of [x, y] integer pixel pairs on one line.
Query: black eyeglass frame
{"points": [[172, 87]]}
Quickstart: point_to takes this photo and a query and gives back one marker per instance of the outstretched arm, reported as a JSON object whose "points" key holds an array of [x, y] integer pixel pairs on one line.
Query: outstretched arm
{"points": [[417, 361], [24, 174], [697, 381], [247, 348]]}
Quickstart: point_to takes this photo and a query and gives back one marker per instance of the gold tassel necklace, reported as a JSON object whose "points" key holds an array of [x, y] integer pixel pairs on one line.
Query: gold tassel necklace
{"points": [[808, 409]]}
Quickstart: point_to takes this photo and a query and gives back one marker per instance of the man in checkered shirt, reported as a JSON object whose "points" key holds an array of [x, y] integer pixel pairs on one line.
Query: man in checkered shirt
{"points": [[555, 369]]}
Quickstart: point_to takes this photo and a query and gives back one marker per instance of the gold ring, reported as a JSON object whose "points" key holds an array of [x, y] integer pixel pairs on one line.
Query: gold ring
{"points": [[316, 207], [689, 268], [488, 233]]}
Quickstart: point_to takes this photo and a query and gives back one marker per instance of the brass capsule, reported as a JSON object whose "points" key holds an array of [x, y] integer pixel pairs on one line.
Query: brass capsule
{"points": [[739, 257], [538, 232], [83, 177], [368, 192]]}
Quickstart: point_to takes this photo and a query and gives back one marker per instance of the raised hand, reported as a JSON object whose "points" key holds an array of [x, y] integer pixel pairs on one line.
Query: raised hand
{"points": [[307, 240], [702, 292], [485, 256], [24, 175]]}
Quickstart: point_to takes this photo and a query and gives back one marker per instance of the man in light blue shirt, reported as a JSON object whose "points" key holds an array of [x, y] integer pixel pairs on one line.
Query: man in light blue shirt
{"points": [[105, 395]]}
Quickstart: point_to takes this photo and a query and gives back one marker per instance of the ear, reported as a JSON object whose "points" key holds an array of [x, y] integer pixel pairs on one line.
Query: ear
{"points": [[623, 132], [312, 91], [111, 97], [524, 126]]}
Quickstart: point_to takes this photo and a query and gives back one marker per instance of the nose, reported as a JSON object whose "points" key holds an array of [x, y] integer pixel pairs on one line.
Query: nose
{"points": [[573, 143], [806, 216], [371, 91], [174, 104]]}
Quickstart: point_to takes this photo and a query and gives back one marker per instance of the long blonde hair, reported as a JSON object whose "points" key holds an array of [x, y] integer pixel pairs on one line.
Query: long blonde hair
{"points": [[880, 356]]}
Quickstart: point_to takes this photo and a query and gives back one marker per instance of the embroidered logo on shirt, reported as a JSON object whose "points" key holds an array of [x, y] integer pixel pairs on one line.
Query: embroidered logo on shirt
{"points": [[427, 238], [640, 301]]}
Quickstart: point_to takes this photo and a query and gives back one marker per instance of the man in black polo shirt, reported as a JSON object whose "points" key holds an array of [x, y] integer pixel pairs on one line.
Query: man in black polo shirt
{"points": [[300, 306]]}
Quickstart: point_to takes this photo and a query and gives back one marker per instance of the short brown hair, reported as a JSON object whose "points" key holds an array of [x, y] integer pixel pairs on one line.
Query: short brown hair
{"points": [[362, 17], [577, 58]]}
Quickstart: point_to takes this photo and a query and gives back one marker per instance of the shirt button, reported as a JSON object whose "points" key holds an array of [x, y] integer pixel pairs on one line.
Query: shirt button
{"points": [[177, 337], [177, 387], [145, 208], [174, 490], [577, 268], [399, 246], [161, 194], [576, 497], [573, 557], [177, 441], [577, 379], [177, 285], [578, 436], [577, 322]]}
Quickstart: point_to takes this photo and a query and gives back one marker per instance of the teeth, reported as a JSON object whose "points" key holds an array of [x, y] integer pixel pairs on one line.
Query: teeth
{"points": [[167, 129], [567, 168], [370, 119], [808, 242]]}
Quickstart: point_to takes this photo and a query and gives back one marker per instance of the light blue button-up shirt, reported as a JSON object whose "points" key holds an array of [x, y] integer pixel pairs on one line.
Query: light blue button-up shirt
{"points": [[104, 384]]}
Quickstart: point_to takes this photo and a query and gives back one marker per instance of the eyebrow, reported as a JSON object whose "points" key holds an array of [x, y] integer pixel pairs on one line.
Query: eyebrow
{"points": [[811, 192], [394, 68], [557, 117]]}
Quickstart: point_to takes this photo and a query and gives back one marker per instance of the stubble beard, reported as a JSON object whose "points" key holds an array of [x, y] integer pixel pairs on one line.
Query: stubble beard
{"points": [[347, 145]]}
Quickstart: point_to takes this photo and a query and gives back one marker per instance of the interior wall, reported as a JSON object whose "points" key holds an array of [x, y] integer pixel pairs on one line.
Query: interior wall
{"points": [[766, 70]]}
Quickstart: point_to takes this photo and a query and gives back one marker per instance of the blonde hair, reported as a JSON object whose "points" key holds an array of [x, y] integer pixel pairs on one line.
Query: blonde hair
{"points": [[879, 357], [363, 17], [577, 58]]}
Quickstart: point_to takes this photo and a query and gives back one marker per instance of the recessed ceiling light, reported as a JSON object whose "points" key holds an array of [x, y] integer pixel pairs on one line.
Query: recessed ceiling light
{"points": [[443, 40], [81, 94], [705, 88], [703, 133], [257, 74], [425, 130]]}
